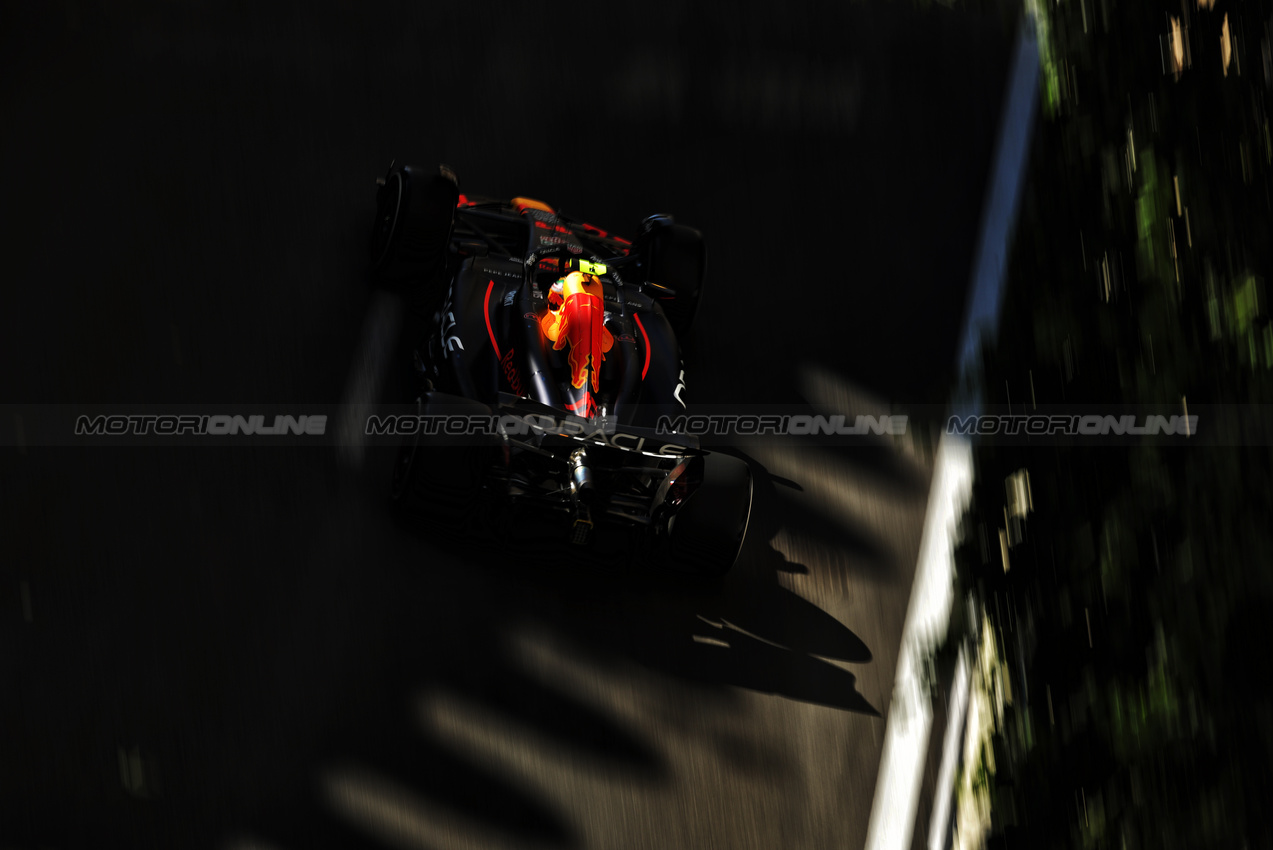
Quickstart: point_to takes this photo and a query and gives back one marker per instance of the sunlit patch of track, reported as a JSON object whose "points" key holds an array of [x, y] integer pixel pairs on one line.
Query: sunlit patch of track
{"points": [[396, 814], [856, 528]]}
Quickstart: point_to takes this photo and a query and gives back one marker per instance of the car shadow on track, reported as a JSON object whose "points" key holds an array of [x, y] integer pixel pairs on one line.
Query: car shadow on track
{"points": [[745, 630], [745, 633]]}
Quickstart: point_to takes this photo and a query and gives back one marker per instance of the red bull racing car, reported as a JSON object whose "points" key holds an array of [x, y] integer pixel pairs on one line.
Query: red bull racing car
{"points": [[553, 344]]}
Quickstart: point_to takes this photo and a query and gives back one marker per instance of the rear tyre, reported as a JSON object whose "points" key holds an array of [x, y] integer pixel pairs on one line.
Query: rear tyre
{"points": [[437, 484], [415, 211], [707, 532], [440, 483], [675, 257]]}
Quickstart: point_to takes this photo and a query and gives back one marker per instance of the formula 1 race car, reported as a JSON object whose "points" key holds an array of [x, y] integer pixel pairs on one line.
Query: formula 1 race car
{"points": [[556, 342]]}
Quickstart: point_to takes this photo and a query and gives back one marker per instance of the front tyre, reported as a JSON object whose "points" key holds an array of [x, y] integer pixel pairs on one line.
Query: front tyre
{"points": [[675, 258], [706, 533], [415, 211]]}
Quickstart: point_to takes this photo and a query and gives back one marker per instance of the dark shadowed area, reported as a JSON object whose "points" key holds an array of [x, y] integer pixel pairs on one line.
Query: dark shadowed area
{"points": [[239, 647]]}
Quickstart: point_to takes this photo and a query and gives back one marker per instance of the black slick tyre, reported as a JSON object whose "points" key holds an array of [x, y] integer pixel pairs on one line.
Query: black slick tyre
{"points": [[415, 212], [707, 532]]}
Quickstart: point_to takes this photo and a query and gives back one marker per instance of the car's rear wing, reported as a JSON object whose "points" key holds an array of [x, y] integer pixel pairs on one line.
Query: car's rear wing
{"points": [[530, 417]]}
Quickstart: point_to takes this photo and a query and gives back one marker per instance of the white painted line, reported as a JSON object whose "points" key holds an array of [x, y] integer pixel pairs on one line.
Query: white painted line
{"points": [[910, 715], [366, 374], [939, 825]]}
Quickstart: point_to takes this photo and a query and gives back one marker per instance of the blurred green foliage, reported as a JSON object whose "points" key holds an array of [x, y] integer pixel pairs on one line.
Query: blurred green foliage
{"points": [[1137, 609]]}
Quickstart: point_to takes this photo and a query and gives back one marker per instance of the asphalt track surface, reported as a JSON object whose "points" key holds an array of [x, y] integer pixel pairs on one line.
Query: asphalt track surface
{"points": [[239, 647]]}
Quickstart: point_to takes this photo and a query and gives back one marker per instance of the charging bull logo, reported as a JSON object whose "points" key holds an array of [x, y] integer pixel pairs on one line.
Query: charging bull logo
{"points": [[576, 317]]}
